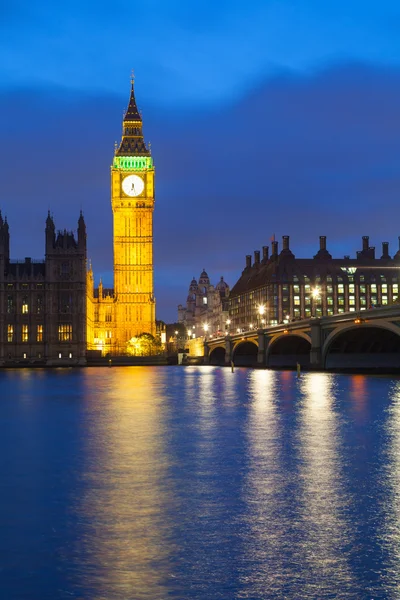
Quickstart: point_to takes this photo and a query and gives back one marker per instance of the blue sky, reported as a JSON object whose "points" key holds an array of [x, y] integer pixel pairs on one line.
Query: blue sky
{"points": [[267, 117]]}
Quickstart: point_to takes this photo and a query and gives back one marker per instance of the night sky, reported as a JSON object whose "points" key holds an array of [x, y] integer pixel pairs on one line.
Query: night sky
{"points": [[264, 118]]}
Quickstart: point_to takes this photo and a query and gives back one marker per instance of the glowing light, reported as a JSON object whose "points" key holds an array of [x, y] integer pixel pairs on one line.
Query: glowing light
{"points": [[228, 322], [138, 163], [205, 327], [316, 292], [261, 309], [251, 326]]}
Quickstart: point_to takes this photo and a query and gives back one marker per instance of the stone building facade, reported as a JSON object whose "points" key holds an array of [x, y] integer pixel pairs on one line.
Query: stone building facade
{"points": [[206, 310], [43, 303], [279, 287]]}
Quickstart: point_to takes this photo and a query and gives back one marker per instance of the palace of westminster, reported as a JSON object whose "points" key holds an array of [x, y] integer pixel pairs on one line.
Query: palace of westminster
{"points": [[51, 313]]}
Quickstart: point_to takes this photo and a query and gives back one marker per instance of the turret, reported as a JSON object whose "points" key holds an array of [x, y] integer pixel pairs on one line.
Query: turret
{"points": [[81, 232], [50, 232]]}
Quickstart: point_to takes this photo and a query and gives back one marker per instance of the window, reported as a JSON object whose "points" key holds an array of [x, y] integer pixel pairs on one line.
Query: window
{"points": [[108, 314], [384, 299], [204, 300], [384, 288], [340, 288], [373, 288], [340, 301], [296, 312], [351, 288], [296, 300], [39, 333], [307, 299], [25, 307], [352, 300], [363, 301], [362, 289], [296, 289], [39, 305], [10, 333], [329, 300], [329, 289], [65, 333], [108, 335], [25, 333], [308, 312], [307, 288], [330, 312], [395, 288]]}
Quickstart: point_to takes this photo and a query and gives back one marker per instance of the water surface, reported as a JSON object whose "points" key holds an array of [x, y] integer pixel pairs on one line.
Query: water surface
{"points": [[198, 483]]}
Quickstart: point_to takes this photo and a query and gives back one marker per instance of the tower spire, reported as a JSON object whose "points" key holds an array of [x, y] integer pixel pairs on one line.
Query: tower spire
{"points": [[132, 143]]}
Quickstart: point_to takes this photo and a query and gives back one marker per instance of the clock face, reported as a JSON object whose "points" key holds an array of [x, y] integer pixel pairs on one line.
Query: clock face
{"points": [[133, 185]]}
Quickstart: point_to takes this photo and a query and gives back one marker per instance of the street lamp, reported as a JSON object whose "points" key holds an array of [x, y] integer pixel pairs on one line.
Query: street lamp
{"points": [[261, 311], [316, 295], [205, 327]]}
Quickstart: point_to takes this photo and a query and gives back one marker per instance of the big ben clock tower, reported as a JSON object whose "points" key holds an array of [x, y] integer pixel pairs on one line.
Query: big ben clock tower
{"points": [[132, 199]]}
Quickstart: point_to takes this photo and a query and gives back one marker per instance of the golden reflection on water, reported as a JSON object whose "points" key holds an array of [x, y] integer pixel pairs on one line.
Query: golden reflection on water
{"points": [[126, 543], [324, 503], [264, 534]]}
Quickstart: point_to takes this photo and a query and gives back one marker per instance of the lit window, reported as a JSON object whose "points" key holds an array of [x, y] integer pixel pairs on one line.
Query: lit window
{"points": [[307, 288], [307, 299], [362, 289], [384, 299], [352, 300], [296, 289], [340, 288], [59, 355], [330, 311], [373, 288], [204, 300], [384, 288], [108, 334], [340, 310], [25, 308], [340, 301], [352, 309], [296, 312], [363, 300], [351, 288], [374, 299], [70, 355], [329, 300], [24, 355], [65, 333], [10, 333], [25, 333], [308, 312], [39, 333], [329, 289], [296, 300], [395, 298], [395, 288]]}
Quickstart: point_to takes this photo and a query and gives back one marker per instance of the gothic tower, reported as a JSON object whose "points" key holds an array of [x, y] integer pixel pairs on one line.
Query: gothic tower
{"points": [[132, 199]]}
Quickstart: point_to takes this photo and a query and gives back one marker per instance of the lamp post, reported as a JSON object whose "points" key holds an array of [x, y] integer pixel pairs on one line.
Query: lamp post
{"points": [[205, 327], [261, 311], [315, 295]]}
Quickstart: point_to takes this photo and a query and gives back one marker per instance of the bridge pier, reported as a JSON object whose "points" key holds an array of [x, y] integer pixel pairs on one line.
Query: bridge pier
{"points": [[316, 343], [206, 353], [261, 349], [228, 351]]}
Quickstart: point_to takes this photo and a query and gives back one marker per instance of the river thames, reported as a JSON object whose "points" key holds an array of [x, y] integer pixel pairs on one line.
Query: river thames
{"points": [[198, 483]]}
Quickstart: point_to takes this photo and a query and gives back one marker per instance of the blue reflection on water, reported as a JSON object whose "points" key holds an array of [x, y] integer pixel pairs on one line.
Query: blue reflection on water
{"points": [[151, 483]]}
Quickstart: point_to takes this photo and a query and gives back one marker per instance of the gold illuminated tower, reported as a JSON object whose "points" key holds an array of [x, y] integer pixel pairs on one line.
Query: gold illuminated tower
{"points": [[132, 199]]}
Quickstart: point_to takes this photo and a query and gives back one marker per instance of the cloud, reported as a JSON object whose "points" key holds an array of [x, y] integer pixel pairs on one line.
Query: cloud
{"points": [[300, 156]]}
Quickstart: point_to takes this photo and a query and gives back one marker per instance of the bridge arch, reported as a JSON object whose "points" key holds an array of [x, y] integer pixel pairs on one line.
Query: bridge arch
{"points": [[244, 353], [217, 355], [370, 345], [288, 349]]}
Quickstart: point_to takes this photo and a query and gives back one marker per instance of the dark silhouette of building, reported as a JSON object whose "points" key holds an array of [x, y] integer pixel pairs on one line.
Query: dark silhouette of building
{"points": [[43, 303], [280, 287]]}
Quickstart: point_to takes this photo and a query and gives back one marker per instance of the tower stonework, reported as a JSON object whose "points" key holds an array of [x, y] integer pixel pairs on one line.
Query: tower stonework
{"points": [[117, 315], [132, 200]]}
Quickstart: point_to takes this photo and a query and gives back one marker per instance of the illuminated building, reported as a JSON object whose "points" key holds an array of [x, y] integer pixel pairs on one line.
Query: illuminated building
{"points": [[278, 288], [114, 316], [43, 302], [206, 307]]}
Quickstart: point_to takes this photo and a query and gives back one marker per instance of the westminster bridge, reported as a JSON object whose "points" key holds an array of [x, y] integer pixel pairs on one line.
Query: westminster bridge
{"points": [[363, 340]]}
